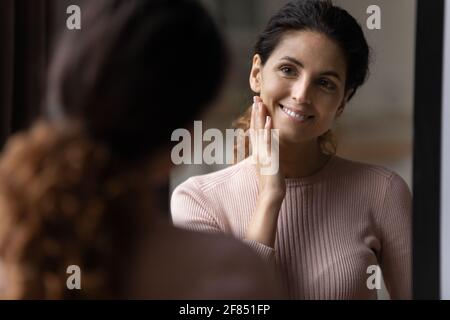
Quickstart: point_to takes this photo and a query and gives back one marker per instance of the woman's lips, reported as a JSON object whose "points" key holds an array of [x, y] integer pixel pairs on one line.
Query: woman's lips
{"points": [[295, 114]]}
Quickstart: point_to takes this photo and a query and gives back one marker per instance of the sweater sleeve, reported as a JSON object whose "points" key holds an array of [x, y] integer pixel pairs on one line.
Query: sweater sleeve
{"points": [[190, 210], [265, 252], [395, 228]]}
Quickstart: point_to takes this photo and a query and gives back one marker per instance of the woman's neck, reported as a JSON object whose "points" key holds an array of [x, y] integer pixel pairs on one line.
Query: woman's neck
{"points": [[301, 160]]}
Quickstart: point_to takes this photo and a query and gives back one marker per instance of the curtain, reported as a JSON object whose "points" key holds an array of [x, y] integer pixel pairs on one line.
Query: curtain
{"points": [[25, 35]]}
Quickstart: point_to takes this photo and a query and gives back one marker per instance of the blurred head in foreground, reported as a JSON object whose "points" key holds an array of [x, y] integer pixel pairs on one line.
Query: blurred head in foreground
{"points": [[77, 188]]}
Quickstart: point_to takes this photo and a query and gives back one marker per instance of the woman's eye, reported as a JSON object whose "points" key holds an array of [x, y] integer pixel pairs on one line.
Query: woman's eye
{"points": [[327, 84], [288, 71]]}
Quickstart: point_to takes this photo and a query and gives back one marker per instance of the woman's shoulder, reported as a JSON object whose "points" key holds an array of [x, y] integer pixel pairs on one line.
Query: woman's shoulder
{"points": [[181, 264], [232, 270], [371, 178], [366, 171]]}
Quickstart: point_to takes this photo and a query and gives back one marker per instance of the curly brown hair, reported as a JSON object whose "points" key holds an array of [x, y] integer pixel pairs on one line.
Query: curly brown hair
{"points": [[63, 202]]}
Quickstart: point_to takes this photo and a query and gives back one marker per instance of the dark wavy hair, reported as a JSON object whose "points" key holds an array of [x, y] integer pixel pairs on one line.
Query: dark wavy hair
{"points": [[334, 22], [74, 188]]}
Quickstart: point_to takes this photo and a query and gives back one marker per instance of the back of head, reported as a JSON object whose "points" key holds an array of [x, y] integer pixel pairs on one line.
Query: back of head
{"points": [[73, 194], [136, 71]]}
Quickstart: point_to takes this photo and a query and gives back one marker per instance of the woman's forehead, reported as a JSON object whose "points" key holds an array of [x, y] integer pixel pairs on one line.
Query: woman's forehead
{"points": [[313, 49]]}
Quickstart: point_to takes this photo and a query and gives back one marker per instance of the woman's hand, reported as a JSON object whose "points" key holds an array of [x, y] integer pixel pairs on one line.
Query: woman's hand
{"points": [[272, 187]]}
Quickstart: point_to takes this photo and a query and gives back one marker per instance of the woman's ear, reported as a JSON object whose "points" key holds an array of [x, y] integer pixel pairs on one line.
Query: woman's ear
{"points": [[255, 74]]}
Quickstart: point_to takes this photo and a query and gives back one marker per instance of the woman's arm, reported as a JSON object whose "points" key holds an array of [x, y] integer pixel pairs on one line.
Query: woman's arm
{"points": [[396, 241], [190, 209], [272, 188]]}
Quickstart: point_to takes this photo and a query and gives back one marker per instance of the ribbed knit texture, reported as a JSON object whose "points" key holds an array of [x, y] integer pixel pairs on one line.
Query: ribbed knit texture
{"points": [[332, 225]]}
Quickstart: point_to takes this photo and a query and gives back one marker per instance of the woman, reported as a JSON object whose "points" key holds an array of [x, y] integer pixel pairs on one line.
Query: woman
{"points": [[82, 186], [325, 219]]}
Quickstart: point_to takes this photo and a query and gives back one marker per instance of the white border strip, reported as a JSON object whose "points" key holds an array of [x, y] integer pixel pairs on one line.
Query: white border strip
{"points": [[445, 161]]}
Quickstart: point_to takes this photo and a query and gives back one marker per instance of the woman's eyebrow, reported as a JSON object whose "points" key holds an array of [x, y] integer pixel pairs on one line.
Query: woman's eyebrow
{"points": [[298, 63]]}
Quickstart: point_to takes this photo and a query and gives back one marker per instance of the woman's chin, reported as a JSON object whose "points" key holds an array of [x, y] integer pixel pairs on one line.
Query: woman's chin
{"points": [[290, 133]]}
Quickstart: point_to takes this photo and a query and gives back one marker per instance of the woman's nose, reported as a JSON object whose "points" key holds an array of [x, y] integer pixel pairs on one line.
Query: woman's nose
{"points": [[301, 91]]}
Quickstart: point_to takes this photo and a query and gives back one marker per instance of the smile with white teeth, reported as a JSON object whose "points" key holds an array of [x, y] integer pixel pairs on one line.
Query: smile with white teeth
{"points": [[294, 114]]}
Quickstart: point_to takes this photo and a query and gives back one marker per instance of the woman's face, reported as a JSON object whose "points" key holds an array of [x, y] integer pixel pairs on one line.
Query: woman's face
{"points": [[302, 84]]}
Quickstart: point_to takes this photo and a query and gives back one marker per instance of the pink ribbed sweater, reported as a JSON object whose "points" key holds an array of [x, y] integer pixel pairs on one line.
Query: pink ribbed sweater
{"points": [[331, 227]]}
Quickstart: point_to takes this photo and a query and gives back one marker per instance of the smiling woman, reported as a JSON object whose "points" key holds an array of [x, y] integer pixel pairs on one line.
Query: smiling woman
{"points": [[294, 76], [326, 220]]}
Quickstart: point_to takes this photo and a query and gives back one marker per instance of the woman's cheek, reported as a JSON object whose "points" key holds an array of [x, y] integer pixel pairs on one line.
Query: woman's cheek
{"points": [[271, 95]]}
